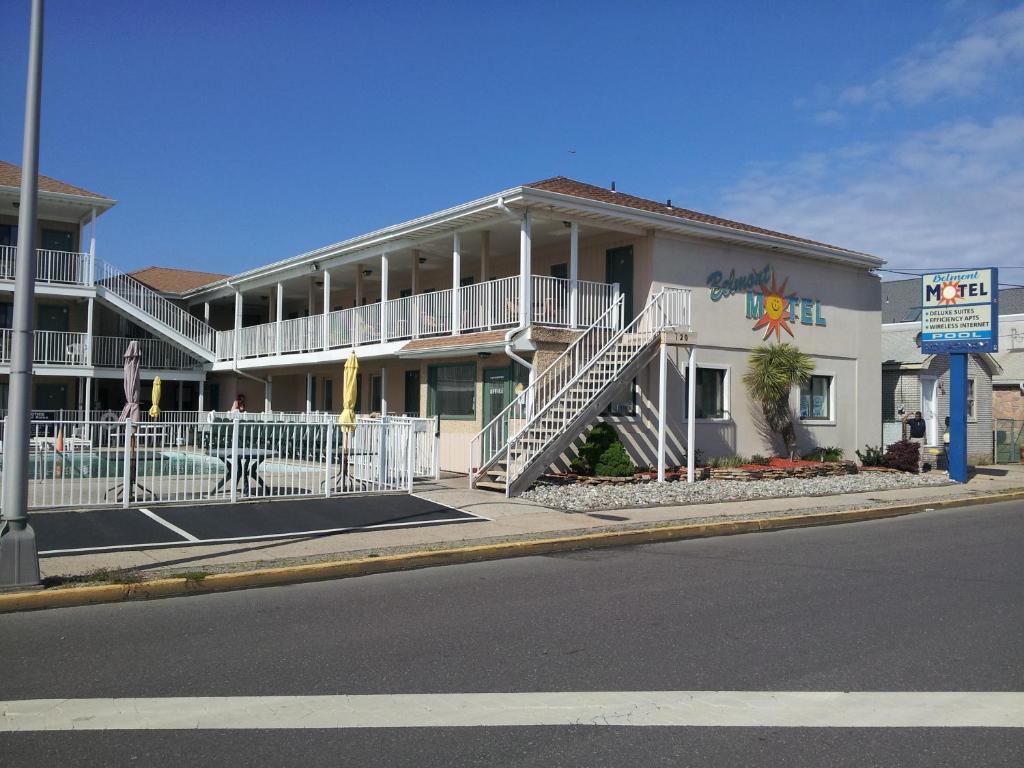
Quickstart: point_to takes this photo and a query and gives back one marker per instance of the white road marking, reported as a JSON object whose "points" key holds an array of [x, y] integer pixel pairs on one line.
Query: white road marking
{"points": [[168, 525], [777, 709]]}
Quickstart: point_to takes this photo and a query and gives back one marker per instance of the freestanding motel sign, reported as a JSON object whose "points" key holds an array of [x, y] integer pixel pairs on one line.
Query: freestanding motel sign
{"points": [[959, 316]]}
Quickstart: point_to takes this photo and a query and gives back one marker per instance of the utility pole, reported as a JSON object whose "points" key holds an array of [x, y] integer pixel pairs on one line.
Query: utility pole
{"points": [[19, 560]]}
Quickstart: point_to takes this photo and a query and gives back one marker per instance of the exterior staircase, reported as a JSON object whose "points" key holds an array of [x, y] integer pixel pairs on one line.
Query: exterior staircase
{"points": [[522, 441], [142, 304]]}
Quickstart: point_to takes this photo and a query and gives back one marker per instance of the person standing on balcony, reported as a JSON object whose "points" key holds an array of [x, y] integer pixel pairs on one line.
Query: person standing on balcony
{"points": [[239, 404]]}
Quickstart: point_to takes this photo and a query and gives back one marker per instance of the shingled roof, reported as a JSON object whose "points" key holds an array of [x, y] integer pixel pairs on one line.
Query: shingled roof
{"points": [[10, 176], [171, 280], [567, 186]]}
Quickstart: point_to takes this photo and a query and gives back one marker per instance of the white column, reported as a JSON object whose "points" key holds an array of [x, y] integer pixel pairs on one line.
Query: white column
{"points": [[574, 275], [691, 415], [525, 270], [309, 393], [89, 332], [384, 276], [662, 406], [383, 390], [415, 285], [238, 321], [206, 312], [456, 275], [278, 314], [92, 247], [485, 256], [88, 398], [268, 394], [327, 310], [202, 396]]}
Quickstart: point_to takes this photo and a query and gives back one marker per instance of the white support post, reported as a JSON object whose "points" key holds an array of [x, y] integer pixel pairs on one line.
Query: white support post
{"points": [[456, 276], [327, 310], [384, 390], [525, 270], [485, 256], [126, 473], [574, 275], [268, 395], [410, 455], [309, 393], [278, 328], [88, 399], [92, 247], [691, 415], [662, 406], [236, 418], [328, 457], [88, 331], [206, 312], [238, 322], [384, 274], [202, 395]]}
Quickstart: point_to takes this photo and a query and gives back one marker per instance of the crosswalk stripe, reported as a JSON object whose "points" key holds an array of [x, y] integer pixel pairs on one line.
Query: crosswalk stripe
{"points": [[781, 709]]}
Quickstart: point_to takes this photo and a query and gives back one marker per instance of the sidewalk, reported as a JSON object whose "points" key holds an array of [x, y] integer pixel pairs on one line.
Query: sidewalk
{"points": [[507, 521]]}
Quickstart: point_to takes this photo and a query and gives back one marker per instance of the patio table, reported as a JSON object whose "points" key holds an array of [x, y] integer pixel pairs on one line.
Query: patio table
{"points": [[249, 462]]}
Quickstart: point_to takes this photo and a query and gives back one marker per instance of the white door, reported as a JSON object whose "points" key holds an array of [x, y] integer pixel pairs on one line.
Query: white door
{"points": [[930, 408]]}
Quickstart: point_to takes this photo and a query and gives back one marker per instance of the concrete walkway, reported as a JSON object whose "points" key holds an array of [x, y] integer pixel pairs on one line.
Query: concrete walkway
{"points": [[507, 520]]}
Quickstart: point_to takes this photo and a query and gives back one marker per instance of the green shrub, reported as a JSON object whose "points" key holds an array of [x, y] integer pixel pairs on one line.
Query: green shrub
{"points": [[757, 458], [726, 462], [873, 456], [824, 453], [615, 462], [599, 439], [579, 466]]}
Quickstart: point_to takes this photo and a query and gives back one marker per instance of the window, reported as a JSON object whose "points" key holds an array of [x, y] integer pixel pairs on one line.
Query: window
{"points": [[624, 403], [375, 393], [970, 399], [452, 391], [6, 315], [816, 399], [712, 388]]}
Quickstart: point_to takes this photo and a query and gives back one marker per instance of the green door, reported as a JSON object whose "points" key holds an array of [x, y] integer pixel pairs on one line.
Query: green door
{"points": [[412, 393], [619, 269], [498, 385]]}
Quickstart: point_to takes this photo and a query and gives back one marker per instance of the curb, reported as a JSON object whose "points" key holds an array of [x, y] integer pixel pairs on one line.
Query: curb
{"points": [[298, 574]]}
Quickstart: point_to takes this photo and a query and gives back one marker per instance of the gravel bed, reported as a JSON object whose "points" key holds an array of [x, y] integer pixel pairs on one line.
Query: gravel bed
{"points": [[578, 497]]}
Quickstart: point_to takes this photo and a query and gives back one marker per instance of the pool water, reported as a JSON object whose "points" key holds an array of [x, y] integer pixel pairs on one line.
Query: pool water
{"points": [[148, 464]]}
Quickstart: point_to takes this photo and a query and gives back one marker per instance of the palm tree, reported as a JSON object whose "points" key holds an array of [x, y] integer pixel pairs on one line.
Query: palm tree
{"points": [[772, 372]]}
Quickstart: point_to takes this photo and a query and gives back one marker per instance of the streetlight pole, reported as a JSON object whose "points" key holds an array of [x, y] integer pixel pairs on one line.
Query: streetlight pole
{"points": [[19, 561]]}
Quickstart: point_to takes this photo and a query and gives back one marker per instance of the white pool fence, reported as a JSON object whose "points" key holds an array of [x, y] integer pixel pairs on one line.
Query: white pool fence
{"points": [[223, 458]]}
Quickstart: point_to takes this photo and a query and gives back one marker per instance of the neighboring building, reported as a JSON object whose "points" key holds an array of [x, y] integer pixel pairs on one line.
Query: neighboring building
{"points": [[913, 381], [449, 312], [82, 324]]}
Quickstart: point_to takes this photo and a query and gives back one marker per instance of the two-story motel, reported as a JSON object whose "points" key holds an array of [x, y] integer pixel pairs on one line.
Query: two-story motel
{"points": [[452, 314]]}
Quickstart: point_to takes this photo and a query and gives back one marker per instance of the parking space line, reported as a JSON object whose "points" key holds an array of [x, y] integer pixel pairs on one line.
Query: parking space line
{"points": [[169, 526]]}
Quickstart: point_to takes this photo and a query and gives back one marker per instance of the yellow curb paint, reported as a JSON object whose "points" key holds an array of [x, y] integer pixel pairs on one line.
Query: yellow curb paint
{"points": [[297, 574]]}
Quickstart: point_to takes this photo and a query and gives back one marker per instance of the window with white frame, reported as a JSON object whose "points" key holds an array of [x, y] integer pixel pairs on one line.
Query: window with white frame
{"points": [[816, 399], [712, 393]]}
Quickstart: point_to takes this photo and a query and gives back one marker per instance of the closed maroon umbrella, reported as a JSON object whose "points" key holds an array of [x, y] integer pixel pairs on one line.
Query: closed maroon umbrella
{"points": [[132, 363]]}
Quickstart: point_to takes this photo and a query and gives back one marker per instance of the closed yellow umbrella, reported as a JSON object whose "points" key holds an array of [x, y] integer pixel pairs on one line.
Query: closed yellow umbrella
{"points": [[350, 393], [154, 411]]}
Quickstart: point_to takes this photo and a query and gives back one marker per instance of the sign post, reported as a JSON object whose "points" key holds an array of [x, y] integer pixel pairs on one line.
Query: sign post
{"points": [[959, 317]]}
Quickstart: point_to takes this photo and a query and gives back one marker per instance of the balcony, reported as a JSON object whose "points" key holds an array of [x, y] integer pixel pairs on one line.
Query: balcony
{"points": [[71, 349], [491, 305], [52, 267]]}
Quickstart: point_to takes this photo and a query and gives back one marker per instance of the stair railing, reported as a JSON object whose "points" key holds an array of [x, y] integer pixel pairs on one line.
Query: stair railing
{"points": [[149, 302], [489, 444], [669, 308]]}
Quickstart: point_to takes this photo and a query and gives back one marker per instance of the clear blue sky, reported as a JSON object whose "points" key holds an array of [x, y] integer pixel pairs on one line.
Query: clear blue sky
{"points": [[237, 133]]}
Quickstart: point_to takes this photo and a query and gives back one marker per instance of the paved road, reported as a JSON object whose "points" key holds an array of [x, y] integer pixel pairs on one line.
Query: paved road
{"points": [[930, 603]]}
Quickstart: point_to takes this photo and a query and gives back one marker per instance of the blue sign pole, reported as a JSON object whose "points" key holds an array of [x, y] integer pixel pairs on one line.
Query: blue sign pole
{"points": [[957, 448]]}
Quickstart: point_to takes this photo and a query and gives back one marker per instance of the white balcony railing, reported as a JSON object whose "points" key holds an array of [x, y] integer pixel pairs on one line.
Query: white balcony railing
{"points": [[485, 306], [50, 347], [52, 267], [71, 348]]}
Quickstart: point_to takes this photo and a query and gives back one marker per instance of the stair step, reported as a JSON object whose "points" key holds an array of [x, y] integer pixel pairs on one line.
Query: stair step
{"points": [[487, 485]]}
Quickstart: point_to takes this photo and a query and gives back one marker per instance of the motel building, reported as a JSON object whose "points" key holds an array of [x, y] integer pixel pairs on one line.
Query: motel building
{"points": [[518, 319]]}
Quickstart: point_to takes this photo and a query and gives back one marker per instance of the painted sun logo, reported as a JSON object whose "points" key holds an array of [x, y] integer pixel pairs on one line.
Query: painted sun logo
{"points": [[775, 316], [949, 292]]}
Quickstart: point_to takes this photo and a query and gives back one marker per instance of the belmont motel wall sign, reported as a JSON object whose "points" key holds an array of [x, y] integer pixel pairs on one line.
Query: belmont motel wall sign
{"points": [[960, 311], [767, 302]]}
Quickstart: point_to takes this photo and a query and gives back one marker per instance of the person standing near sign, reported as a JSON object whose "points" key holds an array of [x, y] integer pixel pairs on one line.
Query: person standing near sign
{"points": [[918, 432]]}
